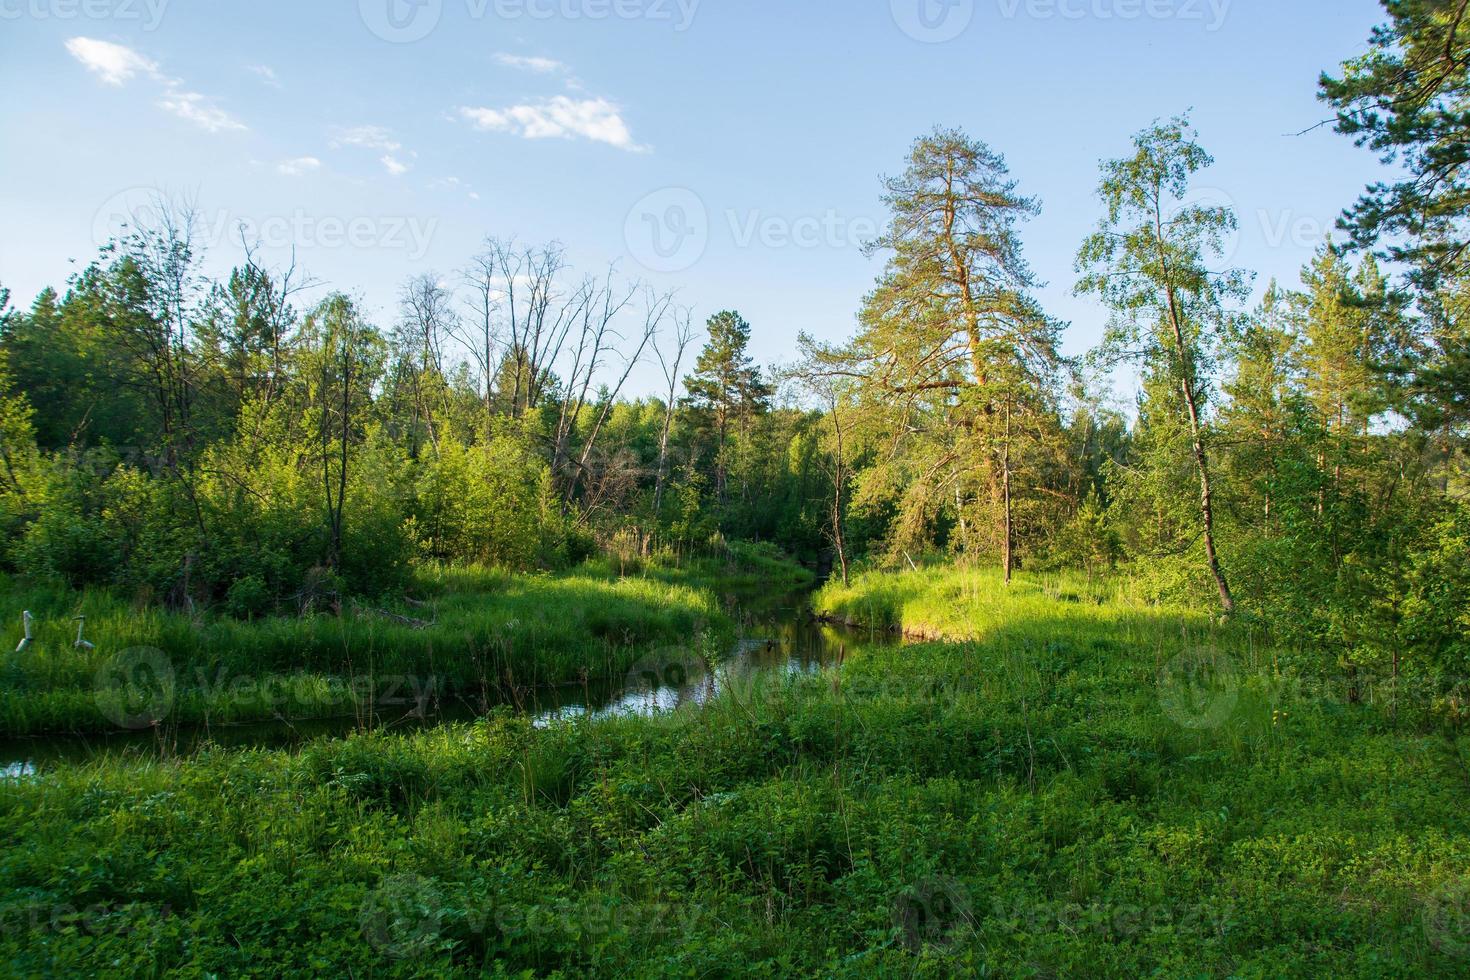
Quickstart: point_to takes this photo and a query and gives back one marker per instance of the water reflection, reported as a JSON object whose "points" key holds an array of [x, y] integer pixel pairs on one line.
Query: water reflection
{"points": [[778, 639]]}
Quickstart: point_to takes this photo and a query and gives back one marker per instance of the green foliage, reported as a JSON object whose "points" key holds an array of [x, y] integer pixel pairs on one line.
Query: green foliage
{"points": [[472, 632], [1405, 99], [1026, 802], [1087, 541], [301, 515], [1435, 623], [485, 504]]}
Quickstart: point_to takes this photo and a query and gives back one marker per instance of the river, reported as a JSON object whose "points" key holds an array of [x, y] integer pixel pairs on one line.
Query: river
{"points": [[777, 636]]}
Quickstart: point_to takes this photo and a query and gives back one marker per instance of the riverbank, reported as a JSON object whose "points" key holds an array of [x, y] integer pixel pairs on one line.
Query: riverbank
{"points": [[470, 635], [1090, 789]]}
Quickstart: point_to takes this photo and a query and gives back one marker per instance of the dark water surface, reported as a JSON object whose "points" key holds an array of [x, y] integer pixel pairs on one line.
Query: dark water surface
{"points": [[778, 637]]}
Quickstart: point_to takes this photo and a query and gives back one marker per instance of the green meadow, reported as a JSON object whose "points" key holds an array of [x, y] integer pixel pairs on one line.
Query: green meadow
{"points": [[1076, 783]]}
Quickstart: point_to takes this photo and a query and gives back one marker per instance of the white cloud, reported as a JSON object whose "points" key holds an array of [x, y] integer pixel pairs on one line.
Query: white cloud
{"points": [[116, 65], [560, 117], [379, 139], [298, 166], [113, 63], [544, 66], [365, 137], [267, 75], [200, 110]]}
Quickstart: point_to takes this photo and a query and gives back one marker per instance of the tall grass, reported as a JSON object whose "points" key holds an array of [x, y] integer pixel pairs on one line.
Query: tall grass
{"points": [[475, 632], [964, 603]]}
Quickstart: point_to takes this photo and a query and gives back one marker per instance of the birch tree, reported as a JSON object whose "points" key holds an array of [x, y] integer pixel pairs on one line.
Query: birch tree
{"points": [[1149, 262]]}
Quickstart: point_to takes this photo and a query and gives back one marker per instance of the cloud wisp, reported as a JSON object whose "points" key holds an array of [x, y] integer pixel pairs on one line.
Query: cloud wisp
{"points": [[541, 66], [298, 167], [267, 75], [377, 138], [117, 65], [559, 117]]}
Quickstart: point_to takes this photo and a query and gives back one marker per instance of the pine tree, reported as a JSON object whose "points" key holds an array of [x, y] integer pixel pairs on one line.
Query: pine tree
{"points": [[953, 341], [1345, 345], [1266, 409], [1405, 99], [727, 387]]}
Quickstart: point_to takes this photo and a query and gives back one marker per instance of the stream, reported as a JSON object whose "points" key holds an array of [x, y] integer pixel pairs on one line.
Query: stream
{"points": [[778, 637]]}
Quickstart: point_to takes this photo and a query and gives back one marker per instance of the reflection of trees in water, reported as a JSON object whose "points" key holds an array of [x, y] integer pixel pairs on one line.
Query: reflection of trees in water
{"points": [[779, 641]]}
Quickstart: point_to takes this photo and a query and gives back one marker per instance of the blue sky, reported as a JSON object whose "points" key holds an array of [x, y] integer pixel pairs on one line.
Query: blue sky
{"points": [[387, 138]]}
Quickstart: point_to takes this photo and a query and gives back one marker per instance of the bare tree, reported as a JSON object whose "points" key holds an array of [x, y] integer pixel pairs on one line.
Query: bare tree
{"points": [[538, 315], [427, 317], [599, 308], [480, 334], [672, 363], [655, 308]]}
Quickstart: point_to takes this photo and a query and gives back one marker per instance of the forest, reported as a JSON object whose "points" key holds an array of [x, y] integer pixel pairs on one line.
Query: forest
{"points": [[1178, 688]]}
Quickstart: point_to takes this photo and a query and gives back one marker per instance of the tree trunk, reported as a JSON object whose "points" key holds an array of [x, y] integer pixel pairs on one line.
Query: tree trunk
{"points": [[840, 476], [1201, 457], [1206, 503], [663, 462], [1007, 550]]}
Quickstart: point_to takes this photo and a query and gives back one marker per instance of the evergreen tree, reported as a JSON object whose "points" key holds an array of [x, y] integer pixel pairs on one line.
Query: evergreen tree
{"points": [[727, 388], [1265, 410], [953, 340], [1406, 99]]}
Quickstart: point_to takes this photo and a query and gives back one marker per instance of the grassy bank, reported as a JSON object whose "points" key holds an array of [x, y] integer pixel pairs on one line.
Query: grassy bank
{"points": [[1054, 797], [472, 633], [958, 604]]}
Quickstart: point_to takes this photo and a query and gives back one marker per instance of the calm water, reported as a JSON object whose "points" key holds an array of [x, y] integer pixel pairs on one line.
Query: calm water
{"points": [[778, 637]]}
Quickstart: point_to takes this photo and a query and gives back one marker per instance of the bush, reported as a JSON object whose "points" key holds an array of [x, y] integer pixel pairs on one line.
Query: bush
{"points": [[1087, 541], [1435, 625], [486, 503]]}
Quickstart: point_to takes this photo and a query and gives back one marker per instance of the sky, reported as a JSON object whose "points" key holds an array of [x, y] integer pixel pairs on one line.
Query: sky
{"points": [[732, 151]]}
